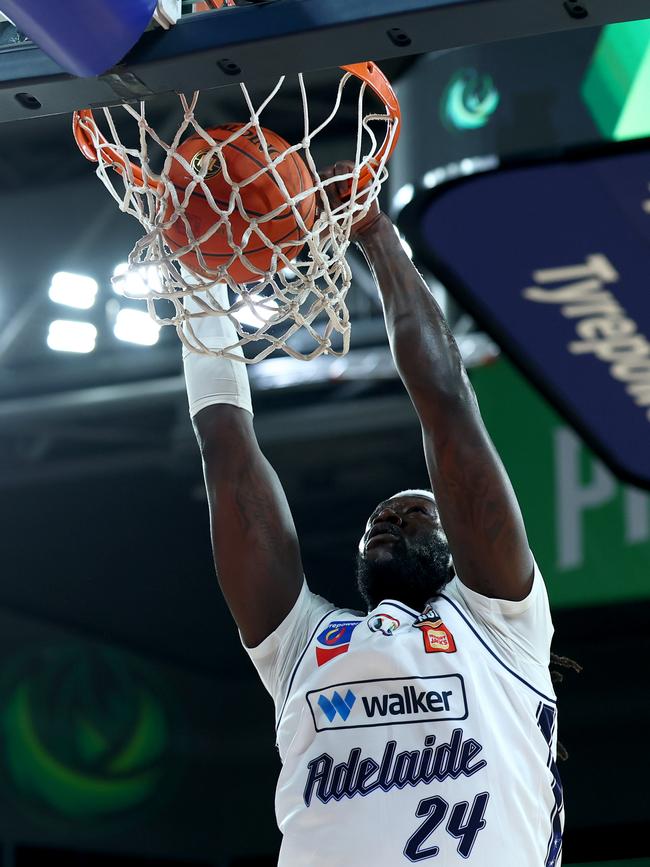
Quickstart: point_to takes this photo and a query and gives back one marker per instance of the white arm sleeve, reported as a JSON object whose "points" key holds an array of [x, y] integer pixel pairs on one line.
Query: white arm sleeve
{"points": [[211, 380], [520, 632], [277, 655]]}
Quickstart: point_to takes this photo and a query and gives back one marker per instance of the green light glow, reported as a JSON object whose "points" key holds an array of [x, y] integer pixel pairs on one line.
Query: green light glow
{"points": [[83, 733], [469, 101], [617, 83]]}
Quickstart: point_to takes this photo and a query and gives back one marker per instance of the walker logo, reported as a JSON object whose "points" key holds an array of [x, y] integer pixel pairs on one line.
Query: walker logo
{"points": [[339, 705], [335, 638], [565, 291], [389, 701]]}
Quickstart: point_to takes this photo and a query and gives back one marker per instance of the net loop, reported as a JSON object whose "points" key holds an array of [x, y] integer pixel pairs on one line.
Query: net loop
{"points": [[296, 303]]}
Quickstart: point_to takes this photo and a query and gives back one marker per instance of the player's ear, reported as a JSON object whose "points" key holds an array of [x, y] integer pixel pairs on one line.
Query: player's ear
{"points": [[452, 570]]}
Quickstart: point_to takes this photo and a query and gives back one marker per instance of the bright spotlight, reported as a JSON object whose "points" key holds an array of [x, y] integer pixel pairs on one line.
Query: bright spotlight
{"points": [[136, 326], [73, 290], [68, 336], [433, 177], [258, 311], [403, 196], [132, 281]]}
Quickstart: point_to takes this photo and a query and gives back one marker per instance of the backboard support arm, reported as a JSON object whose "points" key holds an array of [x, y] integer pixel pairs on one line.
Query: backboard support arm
{"points": [[258, 42]]}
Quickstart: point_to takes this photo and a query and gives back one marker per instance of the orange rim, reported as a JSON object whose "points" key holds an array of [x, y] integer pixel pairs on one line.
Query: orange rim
{"points": [[381, 86], [86, 131]]}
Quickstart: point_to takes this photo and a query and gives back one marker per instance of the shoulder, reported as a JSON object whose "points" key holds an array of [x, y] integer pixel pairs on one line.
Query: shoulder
{"points": [[521, 630], [279, 655]]}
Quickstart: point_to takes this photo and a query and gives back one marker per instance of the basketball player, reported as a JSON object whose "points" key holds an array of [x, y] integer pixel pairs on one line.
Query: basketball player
{"points": [[425, 729]]}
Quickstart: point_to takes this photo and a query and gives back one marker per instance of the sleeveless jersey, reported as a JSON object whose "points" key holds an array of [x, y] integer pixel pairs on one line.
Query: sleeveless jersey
{"points": [[416, 737]]}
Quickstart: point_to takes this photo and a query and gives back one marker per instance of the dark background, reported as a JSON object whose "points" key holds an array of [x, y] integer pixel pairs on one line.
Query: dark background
{"points": [[104, 532]]}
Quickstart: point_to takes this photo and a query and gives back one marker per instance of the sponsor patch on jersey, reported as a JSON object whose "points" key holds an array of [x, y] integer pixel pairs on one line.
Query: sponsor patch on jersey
{"points": [[334, 639], [437, 638], [388, 701], [384, 623], [429, 613]]}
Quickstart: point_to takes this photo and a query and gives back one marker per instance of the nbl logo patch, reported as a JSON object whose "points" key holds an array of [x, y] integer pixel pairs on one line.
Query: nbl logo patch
{"points": [[383, 623], [334, 640]]}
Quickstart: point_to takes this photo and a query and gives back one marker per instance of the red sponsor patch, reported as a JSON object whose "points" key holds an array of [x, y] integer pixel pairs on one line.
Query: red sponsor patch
{"points": [[335, 638], [437, 638], [324, 654]]}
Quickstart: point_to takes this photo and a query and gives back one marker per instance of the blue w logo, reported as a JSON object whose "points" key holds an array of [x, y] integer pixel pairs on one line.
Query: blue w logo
{"points": [[336, 704]]}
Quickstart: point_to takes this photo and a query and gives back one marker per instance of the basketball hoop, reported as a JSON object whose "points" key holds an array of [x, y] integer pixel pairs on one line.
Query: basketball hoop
{"points": [[205, 228]]}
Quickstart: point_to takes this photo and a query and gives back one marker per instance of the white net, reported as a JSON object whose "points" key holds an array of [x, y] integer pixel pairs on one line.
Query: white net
{"points": [[278, 286]]}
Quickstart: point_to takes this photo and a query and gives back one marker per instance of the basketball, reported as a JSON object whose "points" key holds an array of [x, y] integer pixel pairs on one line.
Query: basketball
{"points": [[243, 158]]}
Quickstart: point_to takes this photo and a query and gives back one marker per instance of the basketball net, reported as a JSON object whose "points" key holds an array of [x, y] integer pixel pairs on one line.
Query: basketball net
{"points": [[304, 294]]}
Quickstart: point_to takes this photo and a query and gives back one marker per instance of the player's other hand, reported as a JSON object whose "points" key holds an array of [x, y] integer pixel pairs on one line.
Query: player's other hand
{"points": [[337, 193]]}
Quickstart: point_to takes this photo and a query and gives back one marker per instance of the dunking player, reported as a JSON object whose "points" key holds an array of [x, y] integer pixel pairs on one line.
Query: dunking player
{"points": [[424, 730]]}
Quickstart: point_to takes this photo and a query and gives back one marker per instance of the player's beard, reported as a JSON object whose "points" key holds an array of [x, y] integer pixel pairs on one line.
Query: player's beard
{"points": [[411, 575]]}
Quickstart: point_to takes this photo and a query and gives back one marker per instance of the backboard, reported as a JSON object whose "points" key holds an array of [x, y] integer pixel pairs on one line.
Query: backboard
{"points": [[255, 41]]}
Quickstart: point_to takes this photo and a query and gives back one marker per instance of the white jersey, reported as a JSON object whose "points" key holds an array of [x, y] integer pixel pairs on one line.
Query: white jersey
{"points": [[411, 737]]}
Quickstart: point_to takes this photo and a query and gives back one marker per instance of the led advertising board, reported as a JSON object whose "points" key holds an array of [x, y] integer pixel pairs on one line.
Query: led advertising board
{"points": [[553, 260]]}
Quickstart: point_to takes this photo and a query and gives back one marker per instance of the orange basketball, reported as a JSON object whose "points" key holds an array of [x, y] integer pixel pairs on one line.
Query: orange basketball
{"points": [[243, 157]]}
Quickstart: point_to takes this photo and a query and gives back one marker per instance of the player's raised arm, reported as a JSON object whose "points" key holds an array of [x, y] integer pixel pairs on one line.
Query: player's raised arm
{"points": [[256, 551], [477, 505]]}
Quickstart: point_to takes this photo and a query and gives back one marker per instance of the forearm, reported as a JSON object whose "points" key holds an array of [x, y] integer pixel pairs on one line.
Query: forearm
{"points": [[246, 498], [424, 349], [478, 508], [256, 551]]}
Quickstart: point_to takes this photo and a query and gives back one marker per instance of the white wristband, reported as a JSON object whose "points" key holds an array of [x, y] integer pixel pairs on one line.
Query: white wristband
{"points": [[211, 380]]}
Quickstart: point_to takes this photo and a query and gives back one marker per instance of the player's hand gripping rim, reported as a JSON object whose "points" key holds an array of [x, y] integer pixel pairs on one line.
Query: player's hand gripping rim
{"points": [[339, 192]]}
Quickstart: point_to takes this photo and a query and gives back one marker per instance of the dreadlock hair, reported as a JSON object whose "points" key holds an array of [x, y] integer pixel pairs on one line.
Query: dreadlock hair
{"points": [[558, 677]]}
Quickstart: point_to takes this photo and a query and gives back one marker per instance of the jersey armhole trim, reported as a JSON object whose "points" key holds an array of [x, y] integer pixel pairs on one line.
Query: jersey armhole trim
{"points": [[493, 654], [299, 660], [507, 607]]}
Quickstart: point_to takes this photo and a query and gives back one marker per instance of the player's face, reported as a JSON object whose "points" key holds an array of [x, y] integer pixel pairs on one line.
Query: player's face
{"points": [[403, 553]]}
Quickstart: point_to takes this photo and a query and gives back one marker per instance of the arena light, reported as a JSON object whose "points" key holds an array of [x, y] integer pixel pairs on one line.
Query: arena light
{"points": [[467, 166], [289, 273], [136, 326], [259, 311], [73, 290], [403, 196], [69, 336], [135, 282], [433, 177]]}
